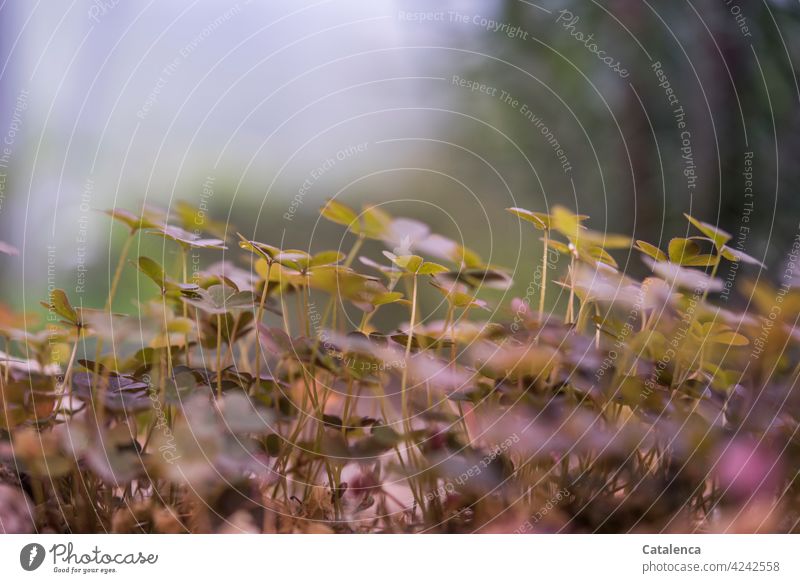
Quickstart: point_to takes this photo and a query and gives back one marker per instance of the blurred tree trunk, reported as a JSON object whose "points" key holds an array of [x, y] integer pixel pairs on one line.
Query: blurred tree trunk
{"points": [[643, 190]]}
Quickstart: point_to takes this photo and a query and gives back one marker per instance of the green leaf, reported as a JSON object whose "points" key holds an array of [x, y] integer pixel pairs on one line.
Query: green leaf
{"points": [[408, 263], [460, 299], [730, 338], [541, 221], [702, 261], [326, 258], [154, 271], [481, 277], [681, 250], [722, 380], [387, 298], [651, 250], [594, 254], [386, 436], [221, 299], [374, 223], [132, 221], [260, 249], [718, 236], [188, 239], [606, 240], [345, 283], [469, 257], [567, 223], [559, 246], [59, 303], [736, 256], [429, 268], [687, 252], [339, 213], [192, 217], [293, 259]]}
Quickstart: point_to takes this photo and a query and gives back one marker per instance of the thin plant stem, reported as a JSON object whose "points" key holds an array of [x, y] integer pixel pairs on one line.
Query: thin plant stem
{"points": [[570, 306], [404, 381], [7, 363], [112, 292], [543, 283], [219, 356], [712, 275], [118, 271], [67, 383], [185, 307], [259, 315], [354, 251]]}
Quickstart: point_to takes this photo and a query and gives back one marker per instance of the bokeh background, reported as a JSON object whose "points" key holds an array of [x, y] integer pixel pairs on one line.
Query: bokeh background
{"points": [[442, 110]]}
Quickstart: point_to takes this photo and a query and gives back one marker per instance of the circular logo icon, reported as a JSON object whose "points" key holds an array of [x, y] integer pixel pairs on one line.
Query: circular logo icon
{"points": [[31, 556]]}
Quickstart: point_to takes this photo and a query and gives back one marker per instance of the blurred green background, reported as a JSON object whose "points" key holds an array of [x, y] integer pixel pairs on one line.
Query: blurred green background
{"points": [[444, 111]]}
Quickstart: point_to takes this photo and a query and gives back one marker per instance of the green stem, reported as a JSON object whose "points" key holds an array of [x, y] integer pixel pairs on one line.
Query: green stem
{"points": [[306, 299], [167, 341], [404, 382], [259, 315], [570, 305], [413, 316], [446, 332], [365, 318], [713, 275], [219, 356], [543, 283], [185, 307], [67, 384], [284, 313], [583, 317], [354, 251], [112, 292], [404, 396], [118, 272], [232, 339], [7, 363]]}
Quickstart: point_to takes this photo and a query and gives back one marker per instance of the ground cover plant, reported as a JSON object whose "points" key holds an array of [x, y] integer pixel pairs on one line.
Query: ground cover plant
{"points": [[256, 394]]}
